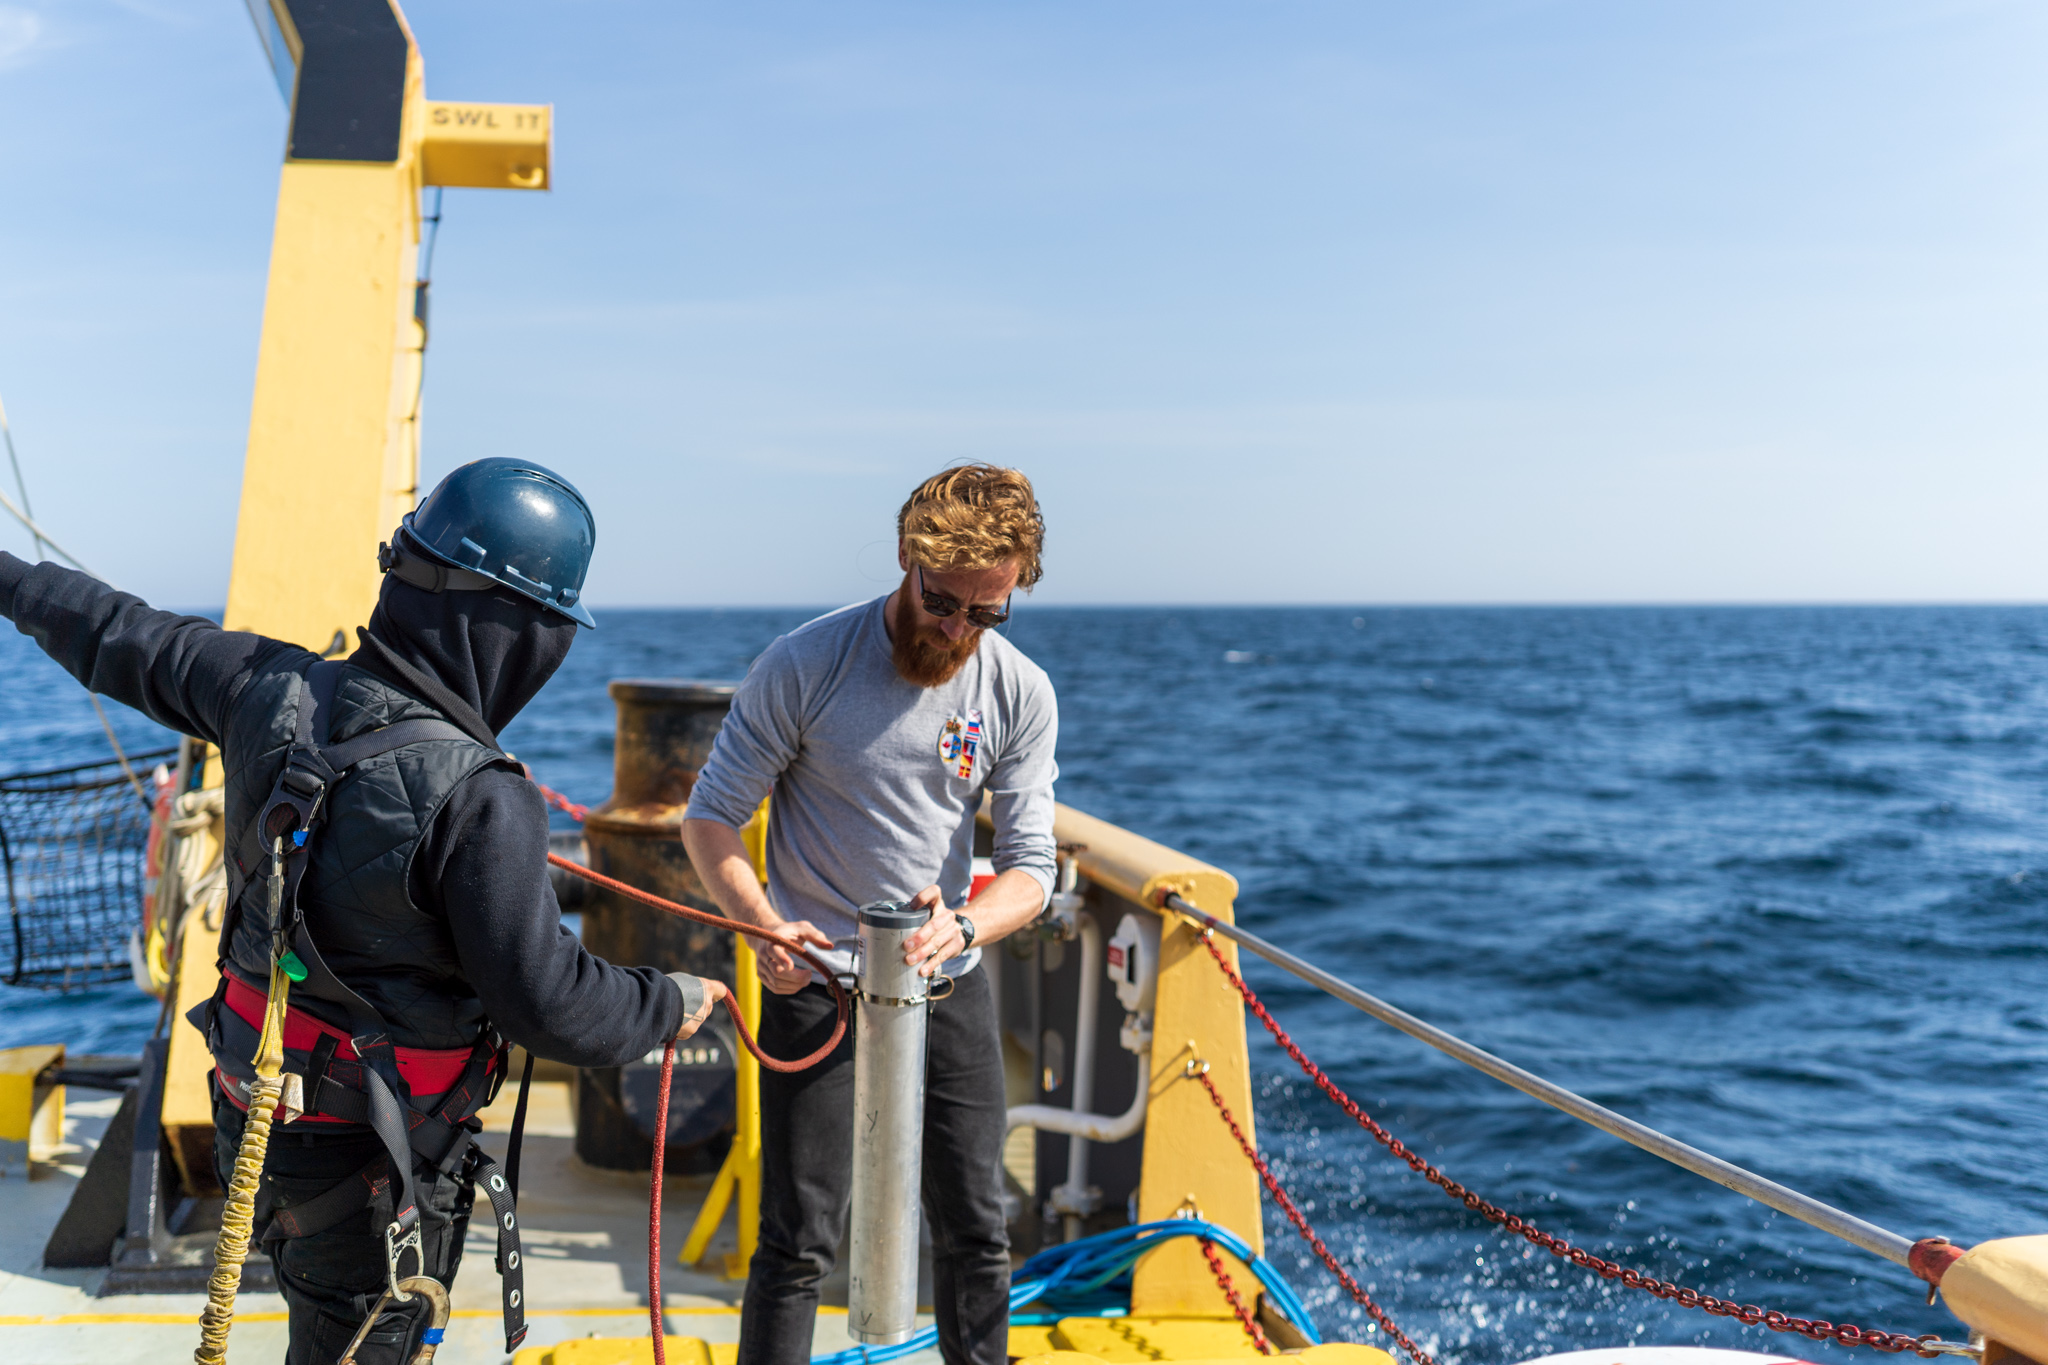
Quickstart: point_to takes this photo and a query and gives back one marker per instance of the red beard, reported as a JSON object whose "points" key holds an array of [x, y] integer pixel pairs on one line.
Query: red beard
{"points": [[923, 655]]}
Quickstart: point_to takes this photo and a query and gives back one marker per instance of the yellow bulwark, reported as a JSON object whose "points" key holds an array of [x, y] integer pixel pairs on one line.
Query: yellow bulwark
{"points": [[1192, 1164], [333, 456], [31, 1106]]}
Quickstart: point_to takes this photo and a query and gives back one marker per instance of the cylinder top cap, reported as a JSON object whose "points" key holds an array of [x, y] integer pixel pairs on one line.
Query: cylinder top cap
{"points": [[892, 915]]}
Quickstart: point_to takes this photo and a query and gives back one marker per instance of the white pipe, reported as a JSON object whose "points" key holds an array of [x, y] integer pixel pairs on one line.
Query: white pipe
{"points": [[1094, 1127], [1077, 1123], [1084, 1046]]}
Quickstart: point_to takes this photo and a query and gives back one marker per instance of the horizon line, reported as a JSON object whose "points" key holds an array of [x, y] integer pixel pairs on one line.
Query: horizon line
{"points": [[1707, 604]]}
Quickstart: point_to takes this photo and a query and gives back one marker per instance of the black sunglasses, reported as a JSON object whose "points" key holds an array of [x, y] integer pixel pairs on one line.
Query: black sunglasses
{"points": [[938, 604]]}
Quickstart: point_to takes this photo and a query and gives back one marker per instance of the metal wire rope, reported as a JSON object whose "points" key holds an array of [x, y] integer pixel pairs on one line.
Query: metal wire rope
{"points": [[1928, 1346]]}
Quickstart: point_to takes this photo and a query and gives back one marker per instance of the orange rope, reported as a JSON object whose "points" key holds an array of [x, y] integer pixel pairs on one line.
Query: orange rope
{"points": [[732, 1008]]}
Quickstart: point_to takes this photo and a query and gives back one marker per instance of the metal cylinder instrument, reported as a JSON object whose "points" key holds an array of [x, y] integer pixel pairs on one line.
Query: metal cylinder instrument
{"points": [[888, 1131]]}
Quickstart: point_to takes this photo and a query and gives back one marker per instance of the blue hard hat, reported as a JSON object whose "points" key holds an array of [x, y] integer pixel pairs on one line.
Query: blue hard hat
{"points": [[514, 523]]}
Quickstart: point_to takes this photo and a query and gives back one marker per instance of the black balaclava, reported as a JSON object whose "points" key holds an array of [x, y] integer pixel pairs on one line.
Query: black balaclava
{"points": [[477, 656]]}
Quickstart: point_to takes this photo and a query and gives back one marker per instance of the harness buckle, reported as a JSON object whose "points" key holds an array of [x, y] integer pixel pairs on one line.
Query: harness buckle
{"points": [[403, 1233]]}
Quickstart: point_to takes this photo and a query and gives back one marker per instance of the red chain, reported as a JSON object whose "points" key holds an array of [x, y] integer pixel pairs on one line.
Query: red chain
{"points": [[559, 801], [1301, 1225], [1229, 1288], [1747, 1313]]}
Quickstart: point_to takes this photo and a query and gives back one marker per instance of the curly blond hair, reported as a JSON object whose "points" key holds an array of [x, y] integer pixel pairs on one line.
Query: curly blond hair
{"points": [[974, 516]]}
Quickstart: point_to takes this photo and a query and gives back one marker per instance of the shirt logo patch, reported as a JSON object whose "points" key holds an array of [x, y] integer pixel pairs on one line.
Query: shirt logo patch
{"points": [[960, 744]]}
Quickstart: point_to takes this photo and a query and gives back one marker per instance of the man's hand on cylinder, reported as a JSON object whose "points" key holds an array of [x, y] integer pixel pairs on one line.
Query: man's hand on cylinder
{"points": [[929, 948], [781, 970]]}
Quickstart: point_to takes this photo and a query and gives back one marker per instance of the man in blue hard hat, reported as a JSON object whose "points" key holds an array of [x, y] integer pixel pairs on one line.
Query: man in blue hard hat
{"points": [[370, 801]]}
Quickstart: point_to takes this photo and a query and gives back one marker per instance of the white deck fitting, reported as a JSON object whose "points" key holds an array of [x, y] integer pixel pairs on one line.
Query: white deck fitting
{"points": [[1666, 1355], [586, 1264]]}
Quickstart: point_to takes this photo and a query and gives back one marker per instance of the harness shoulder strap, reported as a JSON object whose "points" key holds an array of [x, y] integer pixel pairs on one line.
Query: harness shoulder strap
{"points": [[297, 803], [295, 809]]}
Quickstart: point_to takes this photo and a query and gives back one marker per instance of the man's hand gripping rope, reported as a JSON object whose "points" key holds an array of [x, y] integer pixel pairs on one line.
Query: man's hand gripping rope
{"points": [[839, 995], [668, 1060]]}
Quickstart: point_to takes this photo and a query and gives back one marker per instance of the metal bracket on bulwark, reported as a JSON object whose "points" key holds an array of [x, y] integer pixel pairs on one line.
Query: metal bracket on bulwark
{"points": [[1165, 888]]}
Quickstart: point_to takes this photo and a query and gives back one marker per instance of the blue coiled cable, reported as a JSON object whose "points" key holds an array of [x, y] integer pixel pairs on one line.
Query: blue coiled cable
{"points": [[1085, 1269]]}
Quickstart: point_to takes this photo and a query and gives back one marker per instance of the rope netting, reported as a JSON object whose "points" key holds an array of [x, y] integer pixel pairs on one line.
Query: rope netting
{"points": [[71, 844]]}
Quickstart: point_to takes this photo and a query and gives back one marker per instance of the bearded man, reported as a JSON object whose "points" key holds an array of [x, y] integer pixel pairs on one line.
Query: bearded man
{"points": [[877, 729]]}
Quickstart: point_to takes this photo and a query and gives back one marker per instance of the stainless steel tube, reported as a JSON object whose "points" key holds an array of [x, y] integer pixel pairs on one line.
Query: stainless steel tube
{"points": [[1848, 1227], [888, 1130]]}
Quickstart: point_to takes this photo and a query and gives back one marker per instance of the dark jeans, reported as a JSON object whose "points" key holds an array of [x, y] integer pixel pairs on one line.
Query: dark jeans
{"points": [[331, 1279], [806, 1177]]}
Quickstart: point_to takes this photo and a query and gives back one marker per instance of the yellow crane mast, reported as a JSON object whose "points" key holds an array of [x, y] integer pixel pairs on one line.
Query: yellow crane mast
{"points": [[333, 457]]}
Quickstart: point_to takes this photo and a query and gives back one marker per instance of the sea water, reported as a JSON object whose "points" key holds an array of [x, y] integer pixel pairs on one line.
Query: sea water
{"points": [[1772, 880]]}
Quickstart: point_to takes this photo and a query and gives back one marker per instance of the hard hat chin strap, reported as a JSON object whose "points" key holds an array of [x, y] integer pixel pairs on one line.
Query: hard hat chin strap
{"points": [[407, 565]]}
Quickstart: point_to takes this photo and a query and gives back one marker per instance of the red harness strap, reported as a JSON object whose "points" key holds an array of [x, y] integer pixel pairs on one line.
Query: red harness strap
{"points": [[430, 1072]]}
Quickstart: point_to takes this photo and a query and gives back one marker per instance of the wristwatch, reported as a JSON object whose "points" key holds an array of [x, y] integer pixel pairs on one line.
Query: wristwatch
{"points": [[966, 931]]}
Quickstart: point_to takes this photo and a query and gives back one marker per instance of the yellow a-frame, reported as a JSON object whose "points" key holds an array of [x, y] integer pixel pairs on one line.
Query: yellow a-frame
{"points": [[333, 455]]}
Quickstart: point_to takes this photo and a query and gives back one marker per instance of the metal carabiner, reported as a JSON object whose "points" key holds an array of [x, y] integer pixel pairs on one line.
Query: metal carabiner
{"points": [[401, 1291], [396, 1239]]}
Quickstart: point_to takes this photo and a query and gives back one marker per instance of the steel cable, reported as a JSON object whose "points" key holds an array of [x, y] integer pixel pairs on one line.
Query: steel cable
{"points": [[1748, 1314]]}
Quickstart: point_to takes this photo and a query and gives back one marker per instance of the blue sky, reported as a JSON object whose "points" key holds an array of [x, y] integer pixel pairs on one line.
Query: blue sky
{"points": [[1352, 302]]}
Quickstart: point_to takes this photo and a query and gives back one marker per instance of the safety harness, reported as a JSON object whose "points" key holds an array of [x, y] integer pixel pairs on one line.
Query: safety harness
{"points": [[421, 1103]]}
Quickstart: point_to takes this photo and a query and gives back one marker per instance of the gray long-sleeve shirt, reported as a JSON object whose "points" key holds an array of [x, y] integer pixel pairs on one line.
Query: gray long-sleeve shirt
{"points": [[876, 780]]}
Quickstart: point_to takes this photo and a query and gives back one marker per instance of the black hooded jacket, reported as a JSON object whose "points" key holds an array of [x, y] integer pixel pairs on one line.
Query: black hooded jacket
{"points": [[477, 658]]}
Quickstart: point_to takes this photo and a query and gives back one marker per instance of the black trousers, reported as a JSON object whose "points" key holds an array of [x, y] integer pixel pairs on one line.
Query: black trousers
{"points": [[332, 1279], [807, 1170]]}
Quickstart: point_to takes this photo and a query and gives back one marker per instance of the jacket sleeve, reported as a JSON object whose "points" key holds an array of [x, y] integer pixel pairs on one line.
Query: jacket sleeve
{"points": [[180, 671], [484, 866]]}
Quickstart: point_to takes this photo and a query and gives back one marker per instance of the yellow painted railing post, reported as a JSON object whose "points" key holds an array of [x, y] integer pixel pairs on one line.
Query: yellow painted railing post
{"points": [[747, 1142], [741, 1170]]}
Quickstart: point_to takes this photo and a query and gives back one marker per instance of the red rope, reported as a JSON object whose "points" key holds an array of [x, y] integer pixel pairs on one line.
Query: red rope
{"points": [[668, 1054], [1229, 1288], [668, 1072], [1746, 1313], [732, 1008], [1301, 1225]]}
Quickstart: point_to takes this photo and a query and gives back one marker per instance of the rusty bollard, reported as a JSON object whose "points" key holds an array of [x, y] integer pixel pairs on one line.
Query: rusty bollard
{"points": [[665, 731]]}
